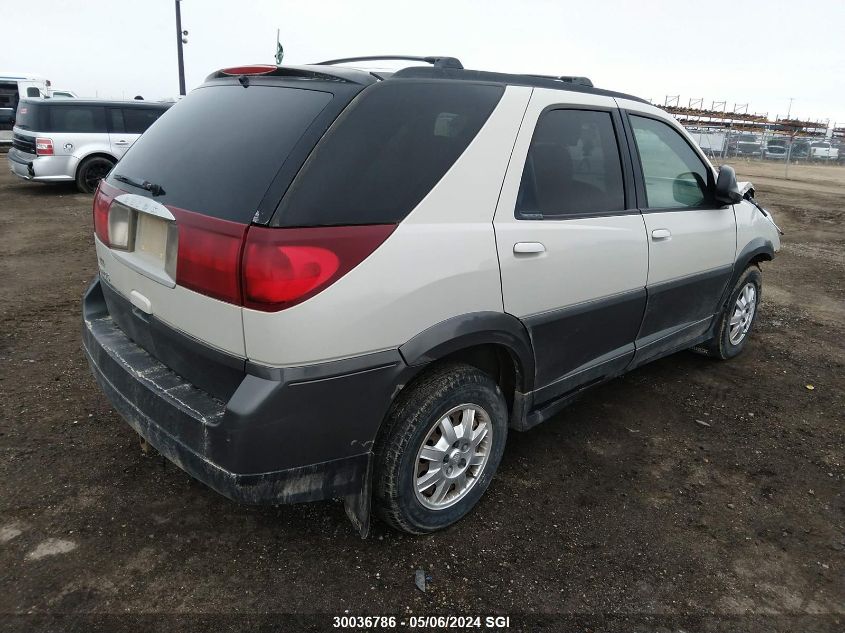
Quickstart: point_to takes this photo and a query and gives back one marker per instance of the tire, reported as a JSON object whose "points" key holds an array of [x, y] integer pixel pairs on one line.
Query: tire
{"points": [[729, 340], [91, 171], [418, 417]]}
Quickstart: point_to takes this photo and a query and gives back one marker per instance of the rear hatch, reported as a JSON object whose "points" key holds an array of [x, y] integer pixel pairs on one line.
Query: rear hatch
{"points": [[172, 216], [30, 119]]}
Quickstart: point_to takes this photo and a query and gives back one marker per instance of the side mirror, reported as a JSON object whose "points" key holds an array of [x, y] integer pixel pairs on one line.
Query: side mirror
{"points": [[727, 191]]}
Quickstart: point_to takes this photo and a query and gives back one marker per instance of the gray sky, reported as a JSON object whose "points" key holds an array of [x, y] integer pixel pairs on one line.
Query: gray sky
{"points": [[759, 52]]}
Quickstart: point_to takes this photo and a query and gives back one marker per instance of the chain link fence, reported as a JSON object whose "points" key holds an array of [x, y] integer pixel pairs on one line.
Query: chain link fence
{"points": [[768, 144]]}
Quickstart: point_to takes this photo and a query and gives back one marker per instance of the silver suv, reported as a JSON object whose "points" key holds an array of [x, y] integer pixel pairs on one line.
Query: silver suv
{"points": [[75, 140], [321, 282]]}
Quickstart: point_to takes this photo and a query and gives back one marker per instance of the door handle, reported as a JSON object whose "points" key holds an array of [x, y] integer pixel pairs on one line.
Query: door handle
{"points": [[528, 247], [661, 234]]}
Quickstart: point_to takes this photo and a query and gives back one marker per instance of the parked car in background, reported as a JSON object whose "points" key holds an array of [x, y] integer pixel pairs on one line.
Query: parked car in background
{"points": [[776, 149], [17, 86], [321, 282], [748, 145], [63, 94], [823, 151], [800, 149], [57, 140]]}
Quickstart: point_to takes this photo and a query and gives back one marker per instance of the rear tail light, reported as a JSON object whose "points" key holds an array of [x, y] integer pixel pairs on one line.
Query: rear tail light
{"points": [[209, 257], [262, 268], [103, 199], [120, 226], [44, 146], [283, 267]]}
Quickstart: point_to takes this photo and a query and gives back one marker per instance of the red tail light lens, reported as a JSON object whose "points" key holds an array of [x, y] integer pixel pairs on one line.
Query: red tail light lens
{"points": [[209, 255], [103, 198], [283, 267], [44, 146]]}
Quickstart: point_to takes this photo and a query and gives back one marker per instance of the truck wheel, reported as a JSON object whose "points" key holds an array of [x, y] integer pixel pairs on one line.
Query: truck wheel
{"points": [[91, 171], [737, 319], [442, 442]]}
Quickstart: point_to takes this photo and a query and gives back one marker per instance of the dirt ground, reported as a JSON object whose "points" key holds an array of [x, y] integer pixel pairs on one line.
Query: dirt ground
{"points": [[688, 495]]}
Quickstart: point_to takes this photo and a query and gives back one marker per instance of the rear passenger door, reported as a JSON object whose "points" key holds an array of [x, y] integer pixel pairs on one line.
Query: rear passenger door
{"points": [[692, 238], [571, 242]]}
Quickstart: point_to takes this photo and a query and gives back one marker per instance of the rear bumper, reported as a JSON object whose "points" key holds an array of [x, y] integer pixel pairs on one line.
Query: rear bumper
{"points": [[41, 168], [289, 435]]}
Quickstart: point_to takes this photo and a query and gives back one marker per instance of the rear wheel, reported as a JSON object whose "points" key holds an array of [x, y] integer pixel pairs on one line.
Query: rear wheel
{"points": [[443, 440], [736, 320], [91, 171]]}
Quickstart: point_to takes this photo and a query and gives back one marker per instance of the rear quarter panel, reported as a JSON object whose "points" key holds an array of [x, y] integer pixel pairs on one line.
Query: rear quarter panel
{"points": [[440, 262]]}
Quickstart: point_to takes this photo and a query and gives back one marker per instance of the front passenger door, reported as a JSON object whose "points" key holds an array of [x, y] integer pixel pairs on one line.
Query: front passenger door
{"points": [[692, 238]]}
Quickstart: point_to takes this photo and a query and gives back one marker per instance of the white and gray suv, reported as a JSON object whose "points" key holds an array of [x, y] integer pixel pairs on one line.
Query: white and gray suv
{"points": [[72, 140], [320, 282]]}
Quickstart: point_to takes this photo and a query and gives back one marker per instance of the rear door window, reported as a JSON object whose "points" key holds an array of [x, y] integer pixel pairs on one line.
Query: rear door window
{"points": [[115, 120], [386, 152], [137, 120], [572, 168], [77, 119]]}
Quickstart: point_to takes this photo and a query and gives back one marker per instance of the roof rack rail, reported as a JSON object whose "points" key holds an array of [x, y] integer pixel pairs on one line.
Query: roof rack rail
{"points": [[438, 61], [569, 79]]}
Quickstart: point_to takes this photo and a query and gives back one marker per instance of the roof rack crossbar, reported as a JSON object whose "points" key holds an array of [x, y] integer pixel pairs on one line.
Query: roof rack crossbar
{"points": [[438, 61]]}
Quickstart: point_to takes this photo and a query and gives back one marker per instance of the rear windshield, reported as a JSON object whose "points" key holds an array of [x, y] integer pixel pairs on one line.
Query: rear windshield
{"points": [[217, 150], [386, 152], [31, 116]]}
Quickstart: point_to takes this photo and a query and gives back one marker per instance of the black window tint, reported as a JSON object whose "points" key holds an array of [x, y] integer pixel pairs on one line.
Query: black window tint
{"points": [[572, 167], [31, 116], [137, 120], [115, 120], [33, 92], [674, 175], [77, 119], [217, 150], [386, 152]]}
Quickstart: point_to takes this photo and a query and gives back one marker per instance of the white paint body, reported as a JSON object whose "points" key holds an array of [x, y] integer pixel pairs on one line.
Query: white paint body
{"points": [[443, 261]]}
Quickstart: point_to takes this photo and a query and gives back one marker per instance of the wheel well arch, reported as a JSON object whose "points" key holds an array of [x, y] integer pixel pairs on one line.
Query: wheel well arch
{"points": [[105, 155], [495, 360], [762, 256], [493, 342]]}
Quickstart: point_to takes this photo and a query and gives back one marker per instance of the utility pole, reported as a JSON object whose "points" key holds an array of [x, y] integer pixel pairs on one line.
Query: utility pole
{"points": [[181, 36], [790, 108]]}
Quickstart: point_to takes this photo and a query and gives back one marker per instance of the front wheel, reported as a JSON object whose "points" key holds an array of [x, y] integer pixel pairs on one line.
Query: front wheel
{"points": [[443, 440], [91, 171], [736, 320]]}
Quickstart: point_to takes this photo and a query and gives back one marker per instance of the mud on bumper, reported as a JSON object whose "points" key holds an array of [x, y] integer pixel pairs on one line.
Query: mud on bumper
{"points": [[283, 438]]}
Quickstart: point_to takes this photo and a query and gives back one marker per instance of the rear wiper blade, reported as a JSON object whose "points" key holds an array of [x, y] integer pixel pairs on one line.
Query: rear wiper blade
{"points": [[153, 188]]}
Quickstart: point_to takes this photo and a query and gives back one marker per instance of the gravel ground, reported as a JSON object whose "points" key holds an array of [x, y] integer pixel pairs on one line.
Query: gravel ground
{"points": [[688, 495]]}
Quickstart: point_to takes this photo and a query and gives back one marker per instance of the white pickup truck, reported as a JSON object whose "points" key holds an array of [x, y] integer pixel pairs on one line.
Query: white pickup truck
{"points": [[823, 151]]}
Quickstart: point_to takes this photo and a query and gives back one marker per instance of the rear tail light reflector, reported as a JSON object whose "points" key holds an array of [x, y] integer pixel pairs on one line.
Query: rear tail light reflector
{"points": [[44, 146]]}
